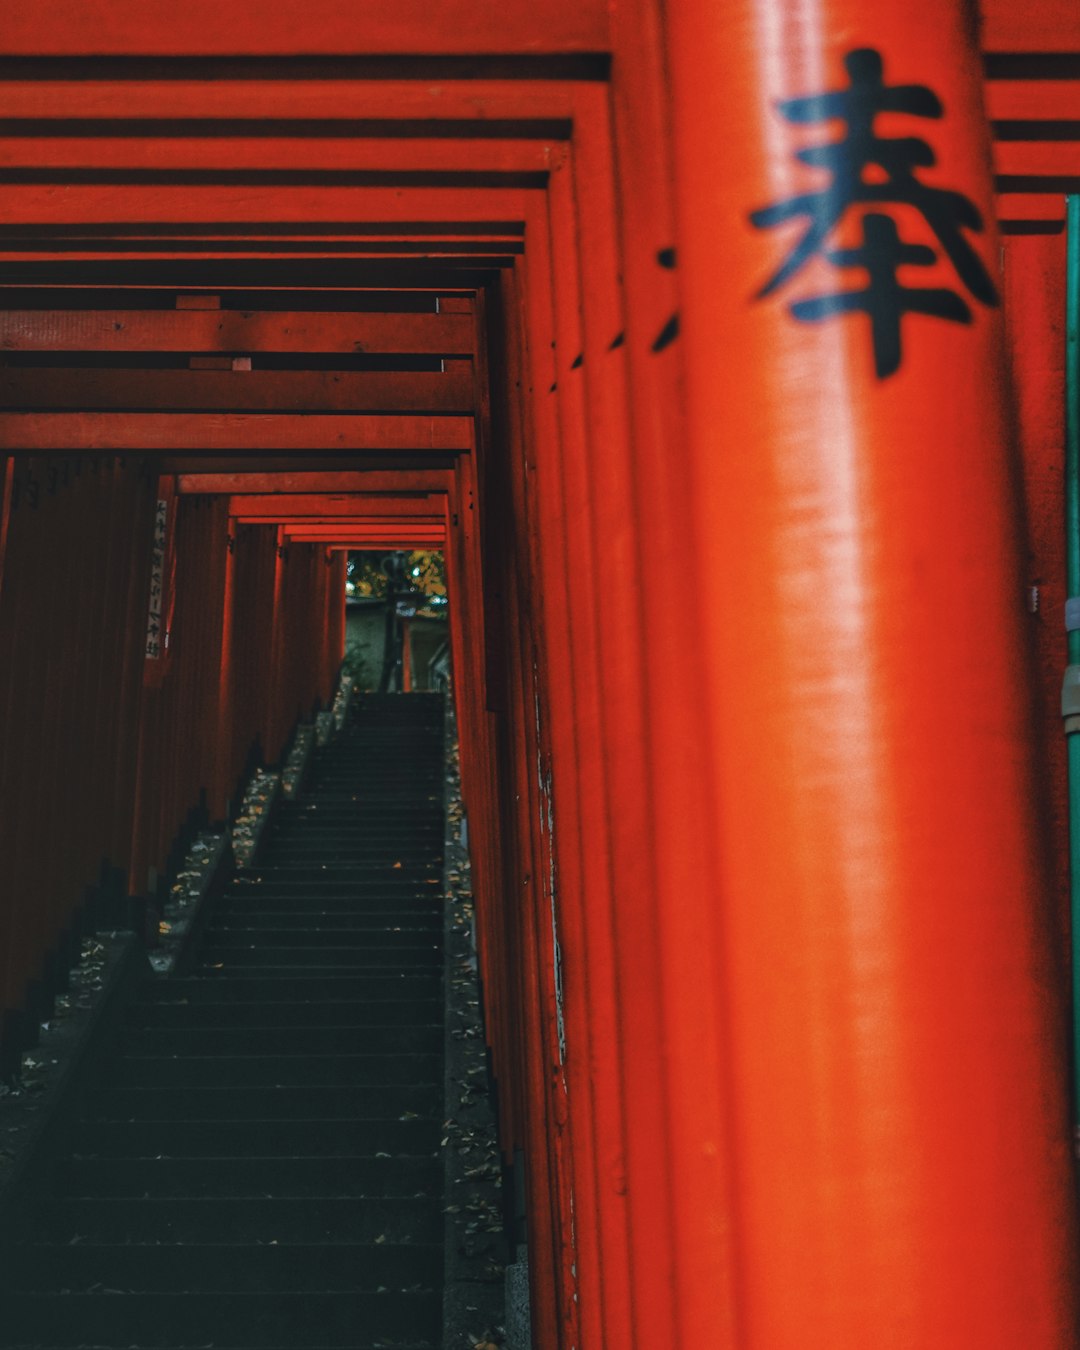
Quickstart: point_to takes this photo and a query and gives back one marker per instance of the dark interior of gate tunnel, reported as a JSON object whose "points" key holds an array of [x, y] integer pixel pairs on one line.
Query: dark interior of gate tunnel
{"points": [[262, 1020], [240, 591], [276, 1108]]}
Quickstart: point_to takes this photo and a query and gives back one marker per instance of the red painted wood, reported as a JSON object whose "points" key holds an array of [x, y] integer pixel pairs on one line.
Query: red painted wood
{"points": [[333, 27], [581, 422], [237, 390], [422, 249], [1034, 303], [296, 506], [56, 204], [865, 744], [363, 481], [224, 431], [1049, 206], [415, 101], [1047, 158], [239, 331], [1038, 100], [361, 154], [690, 1071], [1044, 26], [623, 632], [588, 1050], [361, 521], [369, 536]]}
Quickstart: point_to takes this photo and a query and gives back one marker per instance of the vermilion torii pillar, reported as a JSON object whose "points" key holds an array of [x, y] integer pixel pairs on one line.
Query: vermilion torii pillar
{"points": [[895, 1021]]}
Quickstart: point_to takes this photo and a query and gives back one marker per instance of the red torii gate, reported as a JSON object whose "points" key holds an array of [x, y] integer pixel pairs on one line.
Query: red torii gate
{"points": [[765, 1095]]}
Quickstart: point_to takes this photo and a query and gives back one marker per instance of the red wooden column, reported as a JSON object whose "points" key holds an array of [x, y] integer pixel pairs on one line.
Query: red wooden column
{"points": [[893, 1014]]}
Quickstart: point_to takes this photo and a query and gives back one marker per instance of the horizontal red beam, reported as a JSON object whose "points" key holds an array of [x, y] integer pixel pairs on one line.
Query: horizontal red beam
{"points": [[364, 481], [317, 27], [231, 431], [340, 460], [53, 204], [413, 536], [398, 154], [1041, 157], [321, 525], [231, 330], [95, 251], [1031, 100], [496, 255], [1042, 26], [360, 99], [294, 505], [1048, 206], [239, 390]]}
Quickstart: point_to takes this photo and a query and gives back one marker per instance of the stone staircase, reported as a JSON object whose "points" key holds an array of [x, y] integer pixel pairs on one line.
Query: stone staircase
{"points": [[260, 1165]]}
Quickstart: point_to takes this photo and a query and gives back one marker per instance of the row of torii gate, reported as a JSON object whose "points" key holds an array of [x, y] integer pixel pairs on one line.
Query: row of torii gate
{"points": [[772, 948]]}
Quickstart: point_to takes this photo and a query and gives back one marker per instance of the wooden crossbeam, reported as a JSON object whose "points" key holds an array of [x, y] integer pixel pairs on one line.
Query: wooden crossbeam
{"points": [[269, 485], [238, 391], [296, 506], [360, 155], [472, 100], [1049, 26], [305, 461], [415, 537], [1038, 157], [134, 203], [362, 536], [320, 27], [1032, 100], [322, 525], [1045, 206], [32, 248], [231, 330], [260, 432]]}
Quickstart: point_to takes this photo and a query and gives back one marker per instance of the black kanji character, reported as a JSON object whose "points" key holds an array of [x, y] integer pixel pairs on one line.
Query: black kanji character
{"points": [[884, 299], [868, 169]]}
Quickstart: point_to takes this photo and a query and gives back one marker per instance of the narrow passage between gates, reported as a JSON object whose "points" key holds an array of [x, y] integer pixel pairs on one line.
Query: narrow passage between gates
{"points": [[260, 1164]]}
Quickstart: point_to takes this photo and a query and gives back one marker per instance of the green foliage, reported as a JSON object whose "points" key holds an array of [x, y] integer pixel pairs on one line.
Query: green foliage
{"points": [[424, 570]]}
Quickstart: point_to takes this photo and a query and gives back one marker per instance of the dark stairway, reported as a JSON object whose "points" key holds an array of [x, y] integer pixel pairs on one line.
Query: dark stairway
{"points": [[262, 1164]]}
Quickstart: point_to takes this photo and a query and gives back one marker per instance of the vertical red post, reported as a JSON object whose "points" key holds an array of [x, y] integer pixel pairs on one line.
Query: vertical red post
{"points": [[877, 888]]}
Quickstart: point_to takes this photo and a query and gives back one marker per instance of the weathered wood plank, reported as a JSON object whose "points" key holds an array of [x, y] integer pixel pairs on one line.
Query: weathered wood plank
{"points": [[153, 432], [237, 390], [233, 330]]}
